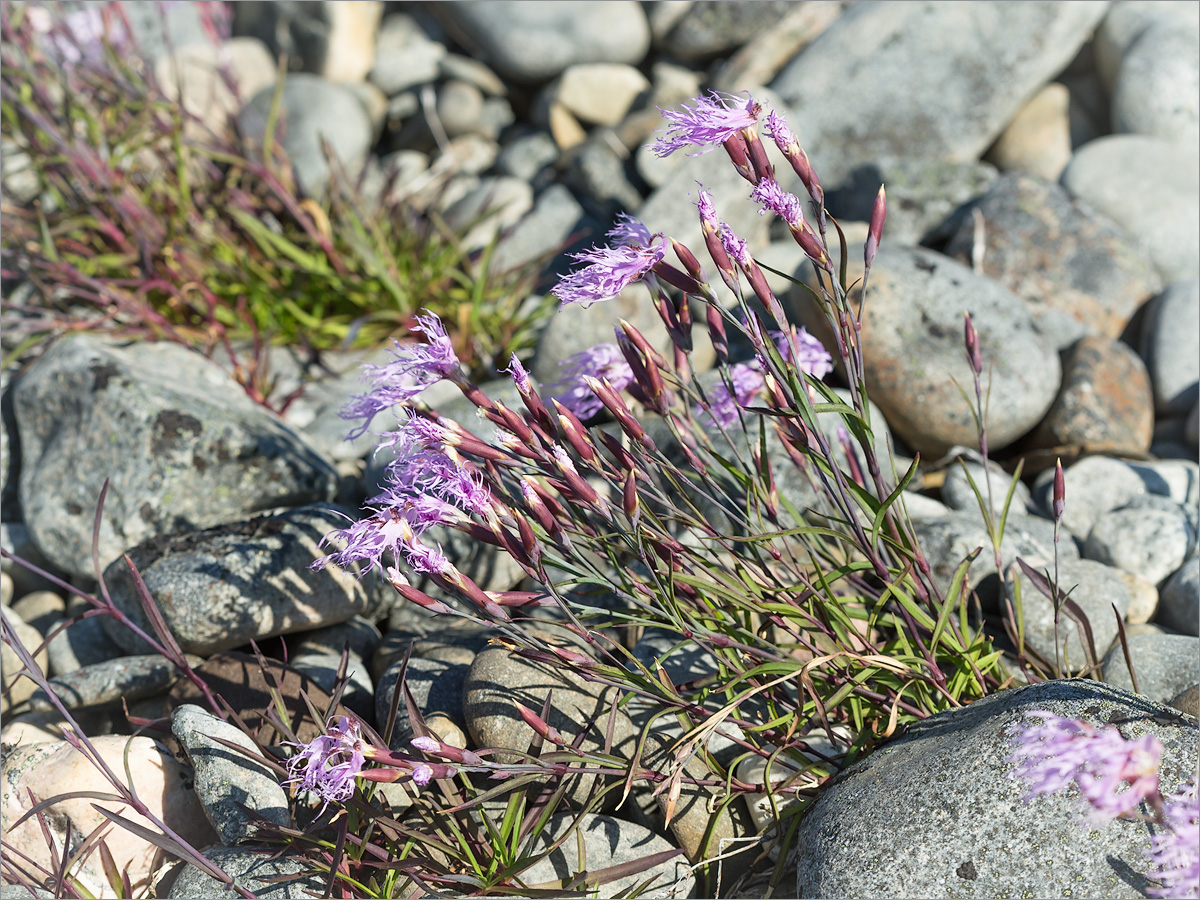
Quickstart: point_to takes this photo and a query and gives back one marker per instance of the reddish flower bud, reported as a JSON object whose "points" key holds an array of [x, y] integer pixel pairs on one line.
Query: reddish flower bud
{"points": [[971, 339], [716, 332], [408, 592], [1060, 491], [540, 725], [629, 499], [688, 259], [875, 227], [574, 432], [739, 155]]}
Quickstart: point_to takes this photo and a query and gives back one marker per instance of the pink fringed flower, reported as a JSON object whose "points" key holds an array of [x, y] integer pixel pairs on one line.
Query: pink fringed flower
{"points": [[328, 764], [709, 122], [1056, 752], [1175, 850], [413, 368], [604, 361]]}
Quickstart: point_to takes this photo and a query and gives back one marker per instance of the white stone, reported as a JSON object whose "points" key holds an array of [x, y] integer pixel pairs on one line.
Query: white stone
{"points": [[600, 93]]}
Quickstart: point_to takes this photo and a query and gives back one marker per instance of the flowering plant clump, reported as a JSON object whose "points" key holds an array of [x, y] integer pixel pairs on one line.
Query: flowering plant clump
{"points": [[1115, 776], [668, 489]]}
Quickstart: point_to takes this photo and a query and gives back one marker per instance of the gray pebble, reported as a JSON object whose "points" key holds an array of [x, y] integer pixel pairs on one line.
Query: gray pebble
{"points": [[937, 812], [608, 841], [1165, 664], [1179, 603], [436, 686], [1158, 85], [227, 780], [1171, 346], [1149, 542], [127, 677], [1151, 188], [957, 493], [255, 868], [1096, 588]]}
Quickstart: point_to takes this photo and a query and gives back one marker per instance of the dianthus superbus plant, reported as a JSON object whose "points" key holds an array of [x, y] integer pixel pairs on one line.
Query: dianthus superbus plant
{"points": [[641, 494]]}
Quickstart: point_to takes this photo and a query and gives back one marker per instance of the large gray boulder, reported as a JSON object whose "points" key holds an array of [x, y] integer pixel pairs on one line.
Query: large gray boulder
{"points": [[180, 444], [925, 80], [936, 813]]}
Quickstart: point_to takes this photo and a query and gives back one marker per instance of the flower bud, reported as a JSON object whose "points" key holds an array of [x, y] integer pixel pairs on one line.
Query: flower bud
{"points": [[971, 339], [875, 227], [1060, 491], [716, 332], [688, 259], [540, 725], [739, 155], [630, 501]]}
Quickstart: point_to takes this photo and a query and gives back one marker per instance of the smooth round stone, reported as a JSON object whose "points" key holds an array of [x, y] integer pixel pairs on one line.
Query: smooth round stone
{"points": [[871, 66], [1097, 588], [464, 68], [912, 337], [1059, 256], [1187, 701], [6, 589], [947, 541], [194, 76], [937, 812], [446, 730], [313, 109], [16, 687], [1179, 606], [1038, 139], [1151, 188], [599, 93], [1165, 664], [498, 203], [436, 687], [1171, 346], [127, 677], [608, 842], [957, 492], [1105, 402], [226, 780], [923, 194], [531, 42], [1124, 23], [450, 640], [179, 441], [41, 609], [225, 586], [84, 643], [1158, 85], [405, 57], [361, 635], [322, 668], [53, 768], [598, 173], [706, 30], [527, 156], [459, 107], [1151, 543], [1143, 598], [499, 679], [255, 868], [553, 221], [1094, 485]]}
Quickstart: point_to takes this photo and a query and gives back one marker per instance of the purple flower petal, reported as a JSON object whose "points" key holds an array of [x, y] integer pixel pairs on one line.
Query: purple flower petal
{"points": [[604, 361], [709, 122], [609, 270]]}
